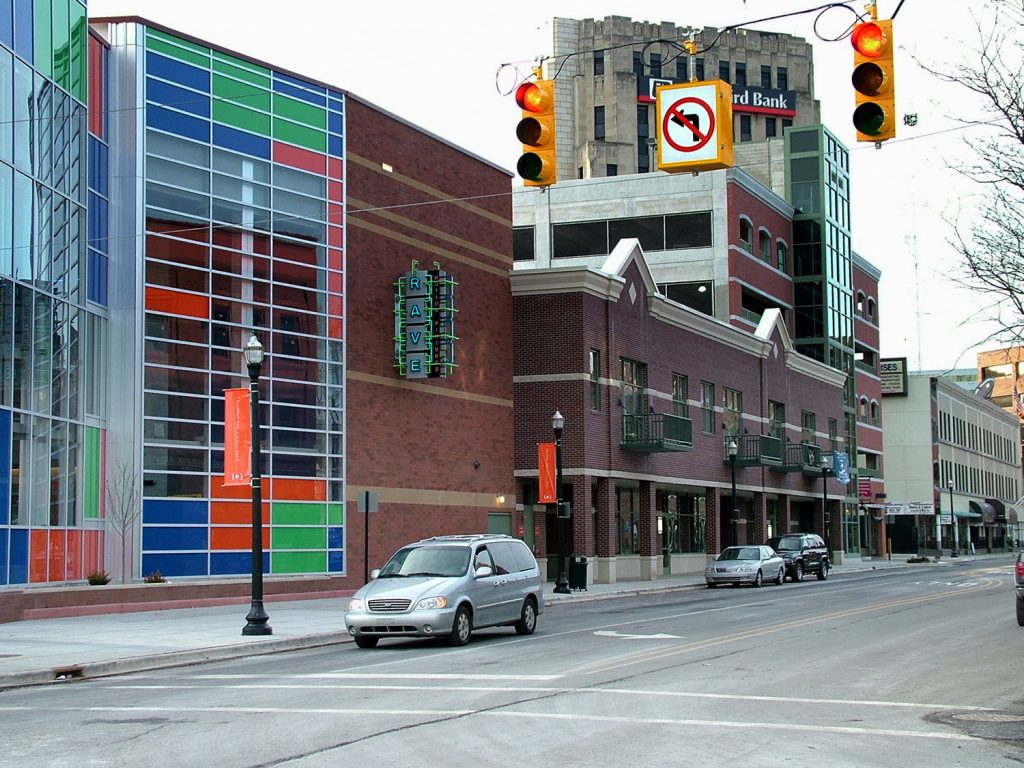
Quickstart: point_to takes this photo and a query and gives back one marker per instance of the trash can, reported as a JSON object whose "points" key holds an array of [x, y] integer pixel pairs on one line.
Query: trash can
{"points": [[578, 572]]}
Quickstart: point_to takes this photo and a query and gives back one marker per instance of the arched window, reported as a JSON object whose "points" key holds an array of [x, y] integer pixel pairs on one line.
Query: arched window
{"points": [[871, 310], [874, 412], [764, 245], [746, 235], [782, 256], [863, 414], [860, 302]]}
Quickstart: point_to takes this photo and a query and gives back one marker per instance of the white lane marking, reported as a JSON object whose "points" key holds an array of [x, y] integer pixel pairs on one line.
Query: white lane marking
{"points": [[840, 729], [606, 633], [375, 676], [789, 699], [647, 721], [632, 692]]}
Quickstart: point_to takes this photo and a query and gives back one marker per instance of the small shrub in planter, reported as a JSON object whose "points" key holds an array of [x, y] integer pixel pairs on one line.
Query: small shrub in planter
{"points": [[919, 559], [98, 577], [155, 578]]}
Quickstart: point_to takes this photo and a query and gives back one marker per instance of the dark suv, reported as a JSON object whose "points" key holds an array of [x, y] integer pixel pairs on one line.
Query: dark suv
{"points": [[1018, 572], [803, 553]]}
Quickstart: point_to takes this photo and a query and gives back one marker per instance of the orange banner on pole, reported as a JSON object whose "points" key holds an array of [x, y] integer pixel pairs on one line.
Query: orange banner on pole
{"points": [[546, 473], [237, 438]]}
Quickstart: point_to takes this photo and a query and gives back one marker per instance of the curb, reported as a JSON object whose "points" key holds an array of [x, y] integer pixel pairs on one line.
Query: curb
{"points": [[169, 660]]}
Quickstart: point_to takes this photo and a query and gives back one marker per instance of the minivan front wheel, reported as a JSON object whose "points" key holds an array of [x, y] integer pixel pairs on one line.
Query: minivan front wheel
{"points": [[1020, 612], [364, 641], [527, 623], [462, 627]]}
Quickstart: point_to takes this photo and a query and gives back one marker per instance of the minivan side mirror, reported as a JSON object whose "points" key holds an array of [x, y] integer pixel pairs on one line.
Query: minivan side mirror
{"points": [[483, 571], [374, 573]]}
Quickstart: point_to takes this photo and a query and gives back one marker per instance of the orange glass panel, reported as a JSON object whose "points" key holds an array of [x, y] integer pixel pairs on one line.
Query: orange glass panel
{"points": [[38, 543], [73, 556], [231, 513], [236, 538], [299, 489], [57, 546], [177, 303]]}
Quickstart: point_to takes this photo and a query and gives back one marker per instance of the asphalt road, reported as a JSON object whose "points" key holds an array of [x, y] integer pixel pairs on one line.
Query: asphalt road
{"points": [[870, 669]]}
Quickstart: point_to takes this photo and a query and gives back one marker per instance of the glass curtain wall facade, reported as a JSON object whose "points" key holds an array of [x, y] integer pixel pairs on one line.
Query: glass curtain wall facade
{"points": [[51, 309], [818, 186], [242, 208]]}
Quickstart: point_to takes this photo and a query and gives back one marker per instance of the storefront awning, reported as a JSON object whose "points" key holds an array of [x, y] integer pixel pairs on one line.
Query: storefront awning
{"points": [[967, 514], [984, 510]]}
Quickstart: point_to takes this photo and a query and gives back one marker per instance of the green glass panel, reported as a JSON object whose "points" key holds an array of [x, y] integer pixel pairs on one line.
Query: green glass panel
{"points": [[283, 537], [243, 94], [300, 111], [300, 135], [44, 43], [243, 70], [285, 513], [335, 514], [240, 117], [298, 562], [92, 473], [61, 44], [79, 60], [179, 49]]}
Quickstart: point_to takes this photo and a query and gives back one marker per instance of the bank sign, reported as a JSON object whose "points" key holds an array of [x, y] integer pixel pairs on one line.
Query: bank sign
{"points": [[745, 98], [425, 323]]}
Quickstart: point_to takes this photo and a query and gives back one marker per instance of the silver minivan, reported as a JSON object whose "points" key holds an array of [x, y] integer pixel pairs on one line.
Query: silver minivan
{"points": [[447, 586]]}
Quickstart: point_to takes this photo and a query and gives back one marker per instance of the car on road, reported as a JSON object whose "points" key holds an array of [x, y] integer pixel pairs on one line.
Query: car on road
{"points": [[751, 564], [447, 587], [803, 553], [1018, 574]]}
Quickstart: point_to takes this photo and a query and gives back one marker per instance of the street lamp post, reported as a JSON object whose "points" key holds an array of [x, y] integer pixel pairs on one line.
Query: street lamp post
{"points": [[824, 502], [561, 583], [955, 550], [733, 450], [257, 618]]}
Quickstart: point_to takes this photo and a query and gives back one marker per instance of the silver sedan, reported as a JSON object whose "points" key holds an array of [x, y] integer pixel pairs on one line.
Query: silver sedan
{"points": [[745, 565]]}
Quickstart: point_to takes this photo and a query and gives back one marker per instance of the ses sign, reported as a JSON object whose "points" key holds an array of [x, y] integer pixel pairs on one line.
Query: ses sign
{"points": [[425, 323], [894, 376]]}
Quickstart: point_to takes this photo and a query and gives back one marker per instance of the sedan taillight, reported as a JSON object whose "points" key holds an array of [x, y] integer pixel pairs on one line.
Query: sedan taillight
{"points": [[1020, 569]]}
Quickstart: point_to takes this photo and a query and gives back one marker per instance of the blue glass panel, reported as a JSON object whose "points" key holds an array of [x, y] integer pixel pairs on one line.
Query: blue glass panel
{"points": [[157, 511], [300, 89], [176, 122], [336, 102], [7, 23], [226, 563], [335, 537], [101, 281], [241, 141], [5, 466], [167, 537], [334, 122], [335, 561], [177, 72], [3, 540], [179, 98], [23, 30], [94, 220], [18, 563], [97, 165], [191, 564], [335, 147]]}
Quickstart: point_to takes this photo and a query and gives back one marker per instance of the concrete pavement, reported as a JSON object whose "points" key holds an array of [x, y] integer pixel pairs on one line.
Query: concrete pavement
{"points": [[47, 650]]}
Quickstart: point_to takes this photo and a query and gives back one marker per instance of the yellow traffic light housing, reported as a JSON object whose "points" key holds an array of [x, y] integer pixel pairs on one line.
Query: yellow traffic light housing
{"points": [[536, 132], [874, 81]]}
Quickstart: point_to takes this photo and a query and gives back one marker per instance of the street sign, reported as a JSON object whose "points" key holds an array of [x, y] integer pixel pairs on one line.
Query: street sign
{"points": [[694, 126], [367, 502]]}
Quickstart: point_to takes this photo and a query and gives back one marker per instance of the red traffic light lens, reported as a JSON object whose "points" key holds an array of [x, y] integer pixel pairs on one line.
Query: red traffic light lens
{"points": [[869, 39], [531, 97]]}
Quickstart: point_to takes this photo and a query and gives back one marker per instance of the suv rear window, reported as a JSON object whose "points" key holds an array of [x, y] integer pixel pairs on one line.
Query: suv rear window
{"points": [[786, 543]]}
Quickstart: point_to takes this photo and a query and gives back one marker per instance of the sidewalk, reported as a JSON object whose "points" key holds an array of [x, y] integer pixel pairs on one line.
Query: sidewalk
{"points": [[44, 650]]}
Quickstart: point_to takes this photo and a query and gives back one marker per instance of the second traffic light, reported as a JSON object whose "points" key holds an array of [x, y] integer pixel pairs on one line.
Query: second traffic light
{"points": [[874, 81], [536, 132]]}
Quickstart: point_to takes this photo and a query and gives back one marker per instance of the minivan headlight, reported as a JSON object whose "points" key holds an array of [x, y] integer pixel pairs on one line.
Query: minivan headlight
{"points": [[430, 603], [355, 604]]}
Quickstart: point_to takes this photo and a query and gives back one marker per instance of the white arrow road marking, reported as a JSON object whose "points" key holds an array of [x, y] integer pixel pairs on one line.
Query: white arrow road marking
{"points": [[605, 633]]}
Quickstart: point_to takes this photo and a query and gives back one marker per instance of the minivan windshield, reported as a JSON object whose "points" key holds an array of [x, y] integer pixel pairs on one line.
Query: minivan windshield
{"points": [[426, 561]]}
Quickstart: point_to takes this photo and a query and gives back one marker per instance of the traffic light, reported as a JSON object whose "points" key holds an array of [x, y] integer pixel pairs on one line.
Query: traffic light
{"points": [[536, 132], [874, 81]]}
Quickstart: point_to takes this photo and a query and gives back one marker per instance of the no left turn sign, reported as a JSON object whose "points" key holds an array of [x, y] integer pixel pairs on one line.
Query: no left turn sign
{"points": [[694, 126]]}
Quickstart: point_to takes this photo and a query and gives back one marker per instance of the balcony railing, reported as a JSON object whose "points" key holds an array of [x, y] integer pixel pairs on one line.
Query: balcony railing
{"points": [[754, 450], [801, 457], [656, 432]]}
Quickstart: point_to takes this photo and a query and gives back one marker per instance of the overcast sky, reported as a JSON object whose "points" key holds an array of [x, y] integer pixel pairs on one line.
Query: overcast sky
{"points": [[421, 60]]}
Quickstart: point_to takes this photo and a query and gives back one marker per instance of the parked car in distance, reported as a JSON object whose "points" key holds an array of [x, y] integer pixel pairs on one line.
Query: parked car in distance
{"points": [[750, 564], [448, 586], [1018, 574], [803, 553]]}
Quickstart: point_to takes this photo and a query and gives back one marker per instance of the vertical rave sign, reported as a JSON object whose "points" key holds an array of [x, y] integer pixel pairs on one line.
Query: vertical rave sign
{"points": [[425, 323]]}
